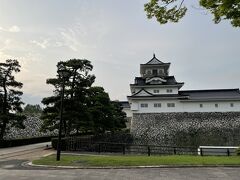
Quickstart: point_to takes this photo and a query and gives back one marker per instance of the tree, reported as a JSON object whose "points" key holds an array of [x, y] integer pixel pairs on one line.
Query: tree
{"points": [[75, 113], [173, 10], [105, 115], [32, 109], [10, 97], [86, 108]]}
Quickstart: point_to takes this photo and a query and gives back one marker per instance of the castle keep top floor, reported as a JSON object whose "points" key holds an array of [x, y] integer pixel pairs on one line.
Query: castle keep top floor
{"points": [[153, 68], [155, 74]]}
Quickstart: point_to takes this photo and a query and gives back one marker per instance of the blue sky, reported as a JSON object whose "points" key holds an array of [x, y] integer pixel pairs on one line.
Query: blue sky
{"points": [[116, 36]]}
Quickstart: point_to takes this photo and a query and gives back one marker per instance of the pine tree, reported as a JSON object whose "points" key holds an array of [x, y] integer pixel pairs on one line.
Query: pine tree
{"points": [[10, 97]]}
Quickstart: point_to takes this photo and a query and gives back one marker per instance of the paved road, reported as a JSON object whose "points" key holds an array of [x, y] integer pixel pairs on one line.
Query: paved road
{"points": [[11, 169], [22, 148], [123, 174]]}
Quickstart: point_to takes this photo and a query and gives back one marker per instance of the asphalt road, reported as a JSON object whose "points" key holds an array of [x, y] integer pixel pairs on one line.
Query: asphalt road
{"points": [[11, 168]]}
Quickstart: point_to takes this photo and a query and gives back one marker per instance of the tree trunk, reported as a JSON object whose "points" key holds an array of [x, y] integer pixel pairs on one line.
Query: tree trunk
{"points": [[4, 110], [3, 129]]}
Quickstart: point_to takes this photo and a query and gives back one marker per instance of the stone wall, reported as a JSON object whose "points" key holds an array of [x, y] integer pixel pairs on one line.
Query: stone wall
{"points": [[32, 129], [187, 129]]}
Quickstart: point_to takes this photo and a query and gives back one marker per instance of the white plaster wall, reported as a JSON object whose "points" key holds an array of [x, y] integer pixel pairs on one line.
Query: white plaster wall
{"points": [[162, 90], [223, 106]]}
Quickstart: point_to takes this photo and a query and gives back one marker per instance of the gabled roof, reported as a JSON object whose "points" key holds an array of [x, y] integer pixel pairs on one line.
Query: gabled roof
{"points": [[154, 60], [124, 104], [144, 91]]}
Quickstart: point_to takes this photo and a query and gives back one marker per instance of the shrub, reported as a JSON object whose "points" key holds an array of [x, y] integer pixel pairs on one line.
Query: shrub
{"points": [[238, 151], [88, 142], [63, 145], [21, 142]]}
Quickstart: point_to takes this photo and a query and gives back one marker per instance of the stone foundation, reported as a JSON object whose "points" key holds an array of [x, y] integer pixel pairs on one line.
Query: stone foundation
{"points": [[32, 129], [187, 129]]}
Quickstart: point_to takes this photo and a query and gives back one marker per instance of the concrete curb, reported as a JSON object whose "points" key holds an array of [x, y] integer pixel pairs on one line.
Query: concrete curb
{"points": [[25, 164], [131, 167]]}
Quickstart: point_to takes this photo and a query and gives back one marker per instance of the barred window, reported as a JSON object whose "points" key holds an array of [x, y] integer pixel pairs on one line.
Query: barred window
{"points": [[156, 91], [144, 105], [169, 90], [170, 104], [157, 105]]}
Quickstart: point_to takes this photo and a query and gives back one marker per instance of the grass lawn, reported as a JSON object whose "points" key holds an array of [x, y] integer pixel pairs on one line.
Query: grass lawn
{"points": [[131, 160]]}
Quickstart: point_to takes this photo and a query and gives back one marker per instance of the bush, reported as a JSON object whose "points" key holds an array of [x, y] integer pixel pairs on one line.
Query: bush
{"points": [[238, 151], [89, 141], [21, 142], [63, 145]]}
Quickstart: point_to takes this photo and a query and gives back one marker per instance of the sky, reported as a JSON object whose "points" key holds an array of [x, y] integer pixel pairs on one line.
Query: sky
{"points": [[116, 37]]}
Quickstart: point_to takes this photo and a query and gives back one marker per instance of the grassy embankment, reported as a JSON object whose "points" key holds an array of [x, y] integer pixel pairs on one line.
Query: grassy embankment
{"points": [[130, 160]]}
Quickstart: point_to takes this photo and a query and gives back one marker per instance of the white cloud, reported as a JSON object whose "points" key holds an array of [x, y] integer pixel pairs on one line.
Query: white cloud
{"points": [[43, 44], [14, 29], [70, 39]]}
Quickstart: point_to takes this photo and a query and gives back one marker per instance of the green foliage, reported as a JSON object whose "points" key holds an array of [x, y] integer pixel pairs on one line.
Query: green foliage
{"points": [[10, 97], [32, 109], [238, 151], [86, 108], [173, 10], [161, 11], [223, 9]]}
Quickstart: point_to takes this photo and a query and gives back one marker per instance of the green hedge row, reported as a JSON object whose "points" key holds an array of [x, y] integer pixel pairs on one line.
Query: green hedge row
{"points": [[118, 137], [20, 142]]}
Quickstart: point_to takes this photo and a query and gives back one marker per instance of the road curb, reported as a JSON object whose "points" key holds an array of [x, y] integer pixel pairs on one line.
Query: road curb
{"points": [[132, 167]]}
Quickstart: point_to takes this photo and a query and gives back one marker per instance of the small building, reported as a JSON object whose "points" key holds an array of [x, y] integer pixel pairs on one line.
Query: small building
{"points": [[157, 100], [126, 108]]}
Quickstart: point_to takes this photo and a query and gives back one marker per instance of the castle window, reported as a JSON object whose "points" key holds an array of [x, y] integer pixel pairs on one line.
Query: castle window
{"points": [[231, 105], [169, 90], [156, 91], [161, 71], [200, 105], [144, 105], [170, 104], [155, 72], [216, 105], [148, 72], [157, 105]]}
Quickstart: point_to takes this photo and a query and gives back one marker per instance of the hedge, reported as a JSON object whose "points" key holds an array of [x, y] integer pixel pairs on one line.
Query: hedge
{"points": [[118, 137], [21, 142]]}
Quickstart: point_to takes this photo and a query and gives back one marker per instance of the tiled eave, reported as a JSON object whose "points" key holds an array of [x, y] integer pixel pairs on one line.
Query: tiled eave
{"points": [[210, 99], [158, 97], [157, 85]]}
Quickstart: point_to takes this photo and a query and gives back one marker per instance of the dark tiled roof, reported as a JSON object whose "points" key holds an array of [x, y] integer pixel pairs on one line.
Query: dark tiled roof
{"points": [[170, 80], [154, 60], [211, 94], [124, 104], [162, 96]]}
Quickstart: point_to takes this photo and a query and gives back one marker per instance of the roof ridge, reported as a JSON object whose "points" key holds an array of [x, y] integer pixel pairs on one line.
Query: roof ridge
{"points": [[154, 57], [234, 89]]}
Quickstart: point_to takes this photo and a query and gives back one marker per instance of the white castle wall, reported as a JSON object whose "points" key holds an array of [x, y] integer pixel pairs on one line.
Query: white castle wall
{"points": [[223, 106]]}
